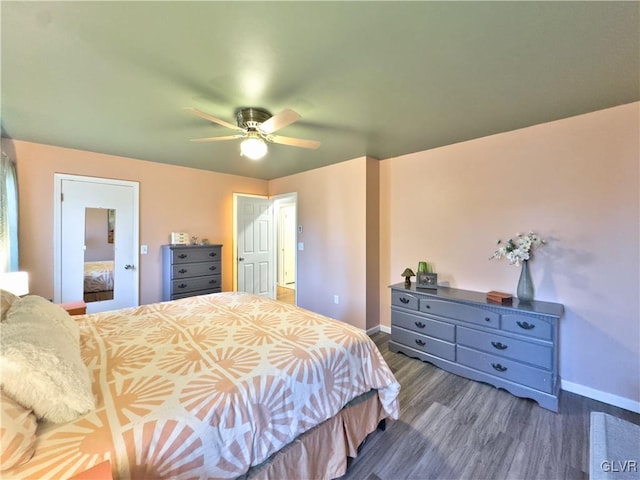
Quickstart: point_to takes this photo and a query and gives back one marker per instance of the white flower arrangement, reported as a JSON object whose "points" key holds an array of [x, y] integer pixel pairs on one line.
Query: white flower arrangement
{"points": [[519, 248]]}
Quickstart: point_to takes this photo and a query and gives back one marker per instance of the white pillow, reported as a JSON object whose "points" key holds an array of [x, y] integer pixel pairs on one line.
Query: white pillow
{"points": [[40, 363]]}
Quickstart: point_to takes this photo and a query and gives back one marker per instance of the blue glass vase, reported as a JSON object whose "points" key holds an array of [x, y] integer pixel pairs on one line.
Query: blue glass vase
{"points": [[525, 284]]}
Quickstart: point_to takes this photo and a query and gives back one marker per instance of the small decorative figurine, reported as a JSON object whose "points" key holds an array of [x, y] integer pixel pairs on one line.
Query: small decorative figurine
{"points": [[407, 274]]}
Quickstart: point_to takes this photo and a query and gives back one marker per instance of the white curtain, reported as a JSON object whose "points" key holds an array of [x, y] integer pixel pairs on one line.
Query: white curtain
{"points": [[8, 215]]}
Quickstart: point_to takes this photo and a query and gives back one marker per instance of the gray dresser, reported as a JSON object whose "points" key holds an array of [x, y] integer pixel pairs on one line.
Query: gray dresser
{"points": [[190, 270], [514, 347]]}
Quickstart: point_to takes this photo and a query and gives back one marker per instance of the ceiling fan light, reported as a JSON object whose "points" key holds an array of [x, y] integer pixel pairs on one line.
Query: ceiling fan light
{"points": [[254, 148]]}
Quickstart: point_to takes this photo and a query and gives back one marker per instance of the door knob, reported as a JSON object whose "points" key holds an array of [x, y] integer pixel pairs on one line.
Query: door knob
{"points": [[240, 259], [128, 267]]}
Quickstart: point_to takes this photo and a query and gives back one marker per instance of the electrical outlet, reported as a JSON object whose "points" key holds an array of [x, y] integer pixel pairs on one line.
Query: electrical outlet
{"points": [[336, 299]]}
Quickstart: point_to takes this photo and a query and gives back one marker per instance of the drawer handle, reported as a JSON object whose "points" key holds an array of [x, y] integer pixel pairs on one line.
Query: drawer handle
{"points": [[499, 367], [212, 281], [182, 255], [525, 325], [487, 319], [183, 285], [422, 343], [213, 267], [420, 324], [182, 270], [499, 346], [427, 306], [213, 254], [404, 300]]}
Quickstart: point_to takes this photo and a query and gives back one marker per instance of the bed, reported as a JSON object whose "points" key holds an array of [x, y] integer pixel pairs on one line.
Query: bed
{"points": [[98, 281], [227, 385]]}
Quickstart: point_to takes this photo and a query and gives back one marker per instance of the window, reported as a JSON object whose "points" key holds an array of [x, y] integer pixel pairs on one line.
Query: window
{"points": [[8, 215]]}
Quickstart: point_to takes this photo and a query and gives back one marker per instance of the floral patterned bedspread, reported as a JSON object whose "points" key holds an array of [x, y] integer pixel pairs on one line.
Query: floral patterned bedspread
{"points": [[206, 387]]}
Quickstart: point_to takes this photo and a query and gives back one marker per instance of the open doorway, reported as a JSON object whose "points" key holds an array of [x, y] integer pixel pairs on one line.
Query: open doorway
{"points": [[264, 242], [285, 209]]}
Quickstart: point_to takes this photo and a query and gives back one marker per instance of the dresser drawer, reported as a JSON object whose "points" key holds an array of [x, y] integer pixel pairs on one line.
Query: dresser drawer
{"points": [[185, 285], [194, 294], [538, 355], [425, 326], [459, 311], [504, 368], [424, 343], [405, 300], [525, 325], [195, 254], [191, 270], [195, 269]]}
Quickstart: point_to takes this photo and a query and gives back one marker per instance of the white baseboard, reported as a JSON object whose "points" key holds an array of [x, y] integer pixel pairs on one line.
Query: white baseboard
{"points": [[615, 400], [379, 328]]}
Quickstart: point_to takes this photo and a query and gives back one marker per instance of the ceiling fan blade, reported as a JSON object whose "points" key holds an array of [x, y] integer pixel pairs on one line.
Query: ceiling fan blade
{"points": [[213, 119], [216, 139], [278, 121], [294, 142]]}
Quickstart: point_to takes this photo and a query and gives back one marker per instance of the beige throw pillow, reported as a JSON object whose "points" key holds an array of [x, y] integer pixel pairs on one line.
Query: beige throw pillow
{"points": [[6, 300], [40, 363], [17, 433]]}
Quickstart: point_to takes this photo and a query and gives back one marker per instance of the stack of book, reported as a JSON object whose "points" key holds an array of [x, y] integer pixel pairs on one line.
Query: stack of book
{"points": [[499, 297]]}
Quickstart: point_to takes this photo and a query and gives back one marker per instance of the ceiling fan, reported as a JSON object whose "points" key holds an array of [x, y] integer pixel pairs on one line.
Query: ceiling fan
{"points": [[256, 126]]}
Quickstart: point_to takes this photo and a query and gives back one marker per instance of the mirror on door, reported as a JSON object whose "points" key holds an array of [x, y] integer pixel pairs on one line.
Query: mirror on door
{"points": [[99, 253]]}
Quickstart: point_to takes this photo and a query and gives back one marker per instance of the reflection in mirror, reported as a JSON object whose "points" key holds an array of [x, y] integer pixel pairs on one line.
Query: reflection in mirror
{"points": [[99, 253]]}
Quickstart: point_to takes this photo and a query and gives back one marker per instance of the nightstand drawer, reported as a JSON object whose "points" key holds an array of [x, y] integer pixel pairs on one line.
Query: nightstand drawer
{"points": [[405, 300], [422, 325], [185, 285], [424, 343], [538, 355], [102, 471], [75, 308], [195, 254], [195, 269], [504, 368], [460, 311], [524, 325]]}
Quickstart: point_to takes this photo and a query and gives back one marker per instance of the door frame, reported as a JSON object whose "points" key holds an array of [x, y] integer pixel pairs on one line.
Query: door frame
{"points": [[287, 199], [274, 199], [57, 227]]}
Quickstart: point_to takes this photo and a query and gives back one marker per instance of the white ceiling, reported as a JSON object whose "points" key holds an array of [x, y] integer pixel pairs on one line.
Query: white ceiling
{"points": [[369, 78]]}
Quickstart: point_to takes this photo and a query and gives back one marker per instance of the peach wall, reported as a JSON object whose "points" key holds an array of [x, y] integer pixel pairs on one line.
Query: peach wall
{"points": [[332, 211], [172, 198], [373, 243], [575, 182]]}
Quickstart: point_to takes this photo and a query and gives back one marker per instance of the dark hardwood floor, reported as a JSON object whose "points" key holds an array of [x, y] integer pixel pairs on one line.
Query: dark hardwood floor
{"points": [[454, 428]]}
